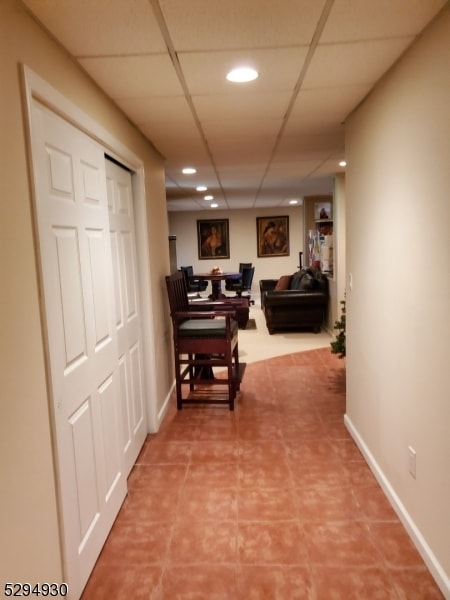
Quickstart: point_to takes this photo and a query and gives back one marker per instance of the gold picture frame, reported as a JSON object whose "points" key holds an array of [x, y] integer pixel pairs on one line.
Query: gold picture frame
{"points": [[272, 236], [213, 239]]}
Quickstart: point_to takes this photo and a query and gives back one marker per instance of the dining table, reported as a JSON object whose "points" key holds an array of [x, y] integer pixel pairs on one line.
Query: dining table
{"points": [[216, 282]]}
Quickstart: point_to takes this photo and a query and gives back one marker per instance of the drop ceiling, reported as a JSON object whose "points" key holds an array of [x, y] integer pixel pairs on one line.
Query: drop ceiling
{"points": [[259, 144]]}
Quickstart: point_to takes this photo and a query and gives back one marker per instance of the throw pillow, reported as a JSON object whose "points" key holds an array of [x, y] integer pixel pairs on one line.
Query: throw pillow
{"points": [[283, 283]]}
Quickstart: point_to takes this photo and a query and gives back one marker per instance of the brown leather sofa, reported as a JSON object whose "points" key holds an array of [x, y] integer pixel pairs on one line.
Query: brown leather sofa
{"points": [[295, 302]]}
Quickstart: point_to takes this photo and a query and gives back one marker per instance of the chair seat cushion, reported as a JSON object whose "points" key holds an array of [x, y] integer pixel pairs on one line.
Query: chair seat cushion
{"points": [[206, 328]]}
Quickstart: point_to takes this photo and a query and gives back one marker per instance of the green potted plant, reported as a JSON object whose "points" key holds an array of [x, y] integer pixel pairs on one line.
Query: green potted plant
{"points": [[338, 345]]}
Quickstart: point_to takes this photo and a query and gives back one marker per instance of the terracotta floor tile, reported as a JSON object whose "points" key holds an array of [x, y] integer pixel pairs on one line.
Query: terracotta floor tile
{"points": [[272, 501], [198, 501], [143, 506], [394, 544], [151, 477], [262, 451], [166, 453], [318, 475], [347, 451], [271, 474], [374, 503], [140, 543], [213, 475], [217, 430], [279, 543], [415, 584], [276, 583], [360, 474], [328, 504], [279, 504], [216, 451], [198, 541], [311, 450], [301, 430], [199, 582], [179, 432], [343, 544], [349, 583], [262, 429], [124, 582]]}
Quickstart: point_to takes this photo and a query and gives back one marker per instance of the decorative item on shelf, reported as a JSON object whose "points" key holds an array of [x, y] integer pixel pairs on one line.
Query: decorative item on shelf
{"points": [[326, 254], [316, 251], [310, 247]]}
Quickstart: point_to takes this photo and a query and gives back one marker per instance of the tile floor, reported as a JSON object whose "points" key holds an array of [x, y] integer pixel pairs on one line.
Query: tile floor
{"points": [[271, 502]]}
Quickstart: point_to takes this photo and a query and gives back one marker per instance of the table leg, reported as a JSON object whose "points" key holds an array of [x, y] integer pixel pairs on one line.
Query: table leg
{"points": [[216, 286]]}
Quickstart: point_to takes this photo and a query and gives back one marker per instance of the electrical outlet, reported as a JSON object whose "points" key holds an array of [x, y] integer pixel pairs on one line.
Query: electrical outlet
{"points": [[350, 281], [412, 461]]}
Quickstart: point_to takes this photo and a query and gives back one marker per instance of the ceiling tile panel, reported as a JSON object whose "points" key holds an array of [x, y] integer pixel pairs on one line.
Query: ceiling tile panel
{"points": [[331, 105], [134, 76], [228, 24], [241, 149], [101, 27], [315, 147], [240, 203], [353, 64], [241, 177], [353, 20], [242, 128], [152, 110], [278, 70], [242, 106], [280, 174], [230, 132]]}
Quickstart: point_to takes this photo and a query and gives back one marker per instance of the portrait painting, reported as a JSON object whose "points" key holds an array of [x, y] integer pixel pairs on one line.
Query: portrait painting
{"points": [[323, 211], [272, 236], [213, 239]]}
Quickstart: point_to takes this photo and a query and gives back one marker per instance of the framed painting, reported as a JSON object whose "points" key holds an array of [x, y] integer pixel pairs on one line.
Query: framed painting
{"points": [[272, 236], [213, 239], [323, 211]]}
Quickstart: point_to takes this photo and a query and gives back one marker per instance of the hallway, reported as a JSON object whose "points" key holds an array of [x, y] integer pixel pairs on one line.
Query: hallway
{"points": [[271, 502]]}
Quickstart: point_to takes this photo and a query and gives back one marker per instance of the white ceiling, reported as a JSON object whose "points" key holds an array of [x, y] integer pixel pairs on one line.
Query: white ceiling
{"points": [[258, 144]]}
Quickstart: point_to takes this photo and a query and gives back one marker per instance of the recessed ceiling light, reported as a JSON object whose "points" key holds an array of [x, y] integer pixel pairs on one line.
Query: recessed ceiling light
{"points": [[201, 188], [293, 201], [214, 205], [343, 163], [189, 170], [242, 74], [208, 197]]}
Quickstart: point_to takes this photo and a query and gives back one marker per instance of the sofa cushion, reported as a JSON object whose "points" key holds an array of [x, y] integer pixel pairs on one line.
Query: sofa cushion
{"points": [[283, 283]]}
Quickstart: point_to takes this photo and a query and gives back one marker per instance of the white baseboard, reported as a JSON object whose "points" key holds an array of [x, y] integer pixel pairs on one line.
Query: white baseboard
{"points": [[436, 570], [163, 410]]}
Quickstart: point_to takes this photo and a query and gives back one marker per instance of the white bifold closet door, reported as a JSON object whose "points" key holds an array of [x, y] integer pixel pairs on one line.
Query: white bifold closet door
{"points": [[127, 312], [93, 341]]}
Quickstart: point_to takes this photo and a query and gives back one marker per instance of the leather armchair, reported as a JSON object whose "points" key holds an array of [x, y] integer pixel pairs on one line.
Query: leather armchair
{"points": [[295, 302]]}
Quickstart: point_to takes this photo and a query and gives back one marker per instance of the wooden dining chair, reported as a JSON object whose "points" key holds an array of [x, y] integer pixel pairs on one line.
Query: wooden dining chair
{"points": [[203, 340]]}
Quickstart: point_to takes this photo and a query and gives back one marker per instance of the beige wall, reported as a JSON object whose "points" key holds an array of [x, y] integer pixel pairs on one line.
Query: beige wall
{"points": [[29, 549], [243, 247], [398, 251]]}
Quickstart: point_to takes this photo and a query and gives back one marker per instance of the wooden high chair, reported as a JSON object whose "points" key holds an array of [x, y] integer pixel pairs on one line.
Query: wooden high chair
{"points": [[203, 340]]}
